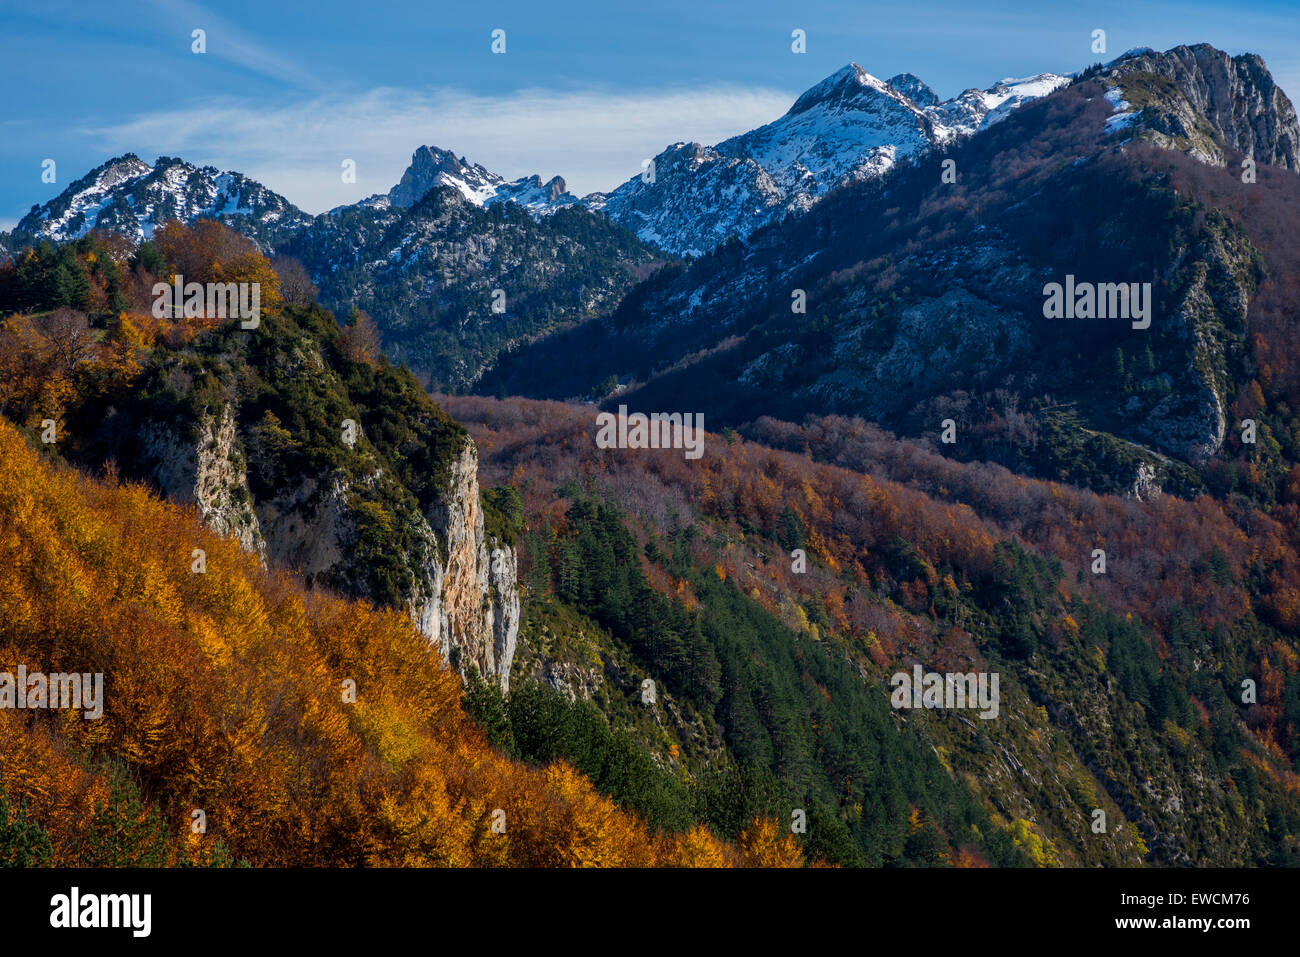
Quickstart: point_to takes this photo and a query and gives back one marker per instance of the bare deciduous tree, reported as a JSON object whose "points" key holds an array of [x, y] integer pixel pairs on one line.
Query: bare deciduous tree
{"points": [[69, 336], [296, 287]]}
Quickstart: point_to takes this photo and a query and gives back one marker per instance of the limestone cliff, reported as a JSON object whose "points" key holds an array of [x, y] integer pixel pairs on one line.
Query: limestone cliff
{"points": [[1201, 100], [461, 588], [474, 615], [208, 472]]}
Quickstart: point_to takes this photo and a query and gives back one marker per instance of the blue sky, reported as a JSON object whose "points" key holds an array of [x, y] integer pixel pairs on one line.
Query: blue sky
{"points": [[286, 91]]}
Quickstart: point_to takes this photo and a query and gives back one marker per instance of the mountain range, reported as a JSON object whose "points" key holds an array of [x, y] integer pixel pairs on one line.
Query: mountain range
{"points": [[911, 461], [938, 312], [849, 126], [394, 256]]}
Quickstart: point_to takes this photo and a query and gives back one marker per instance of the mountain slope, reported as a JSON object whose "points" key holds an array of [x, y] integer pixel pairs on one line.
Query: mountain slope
{"points": [[452, 284], [230, 692], [849, 127], [938, 313], [129, 196], [1120, 692]]}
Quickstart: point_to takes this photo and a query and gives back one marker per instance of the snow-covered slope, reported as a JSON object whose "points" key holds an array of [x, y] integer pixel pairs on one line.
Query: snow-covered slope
{"points": [[973, 110], [534, 195], [848, 127], [431, 166], [129, 196], [698, 197]]}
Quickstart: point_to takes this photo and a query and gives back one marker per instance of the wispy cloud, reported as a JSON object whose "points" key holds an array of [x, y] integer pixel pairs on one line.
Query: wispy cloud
{"points": [[595, 140], [226, 41]]}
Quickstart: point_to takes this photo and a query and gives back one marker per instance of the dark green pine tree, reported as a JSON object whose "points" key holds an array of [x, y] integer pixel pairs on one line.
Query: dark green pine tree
{"points": [[23, 843], [71, 285]]}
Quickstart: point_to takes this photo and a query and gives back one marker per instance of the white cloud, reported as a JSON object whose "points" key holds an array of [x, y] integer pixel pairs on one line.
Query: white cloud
{"points": [[595, 140], [225, 41]]}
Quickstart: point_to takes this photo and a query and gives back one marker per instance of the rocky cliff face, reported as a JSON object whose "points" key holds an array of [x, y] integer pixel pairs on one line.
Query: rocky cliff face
{"points": [[431, 166], [208, 472], [1202, 100], [474, 616], [464, 595], [1210, 322]]}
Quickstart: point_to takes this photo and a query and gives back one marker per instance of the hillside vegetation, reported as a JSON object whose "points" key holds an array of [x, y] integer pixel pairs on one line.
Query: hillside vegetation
{"points": [[1121, 692], [225, 693]]}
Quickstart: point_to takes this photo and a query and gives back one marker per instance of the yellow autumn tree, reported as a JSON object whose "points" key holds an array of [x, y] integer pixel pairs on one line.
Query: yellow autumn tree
{"points": [[228, 690], [765, 844]]}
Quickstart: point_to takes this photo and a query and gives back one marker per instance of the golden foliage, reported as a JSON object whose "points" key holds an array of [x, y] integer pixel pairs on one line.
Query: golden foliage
{"points": [[762, 844], [223, 692]]}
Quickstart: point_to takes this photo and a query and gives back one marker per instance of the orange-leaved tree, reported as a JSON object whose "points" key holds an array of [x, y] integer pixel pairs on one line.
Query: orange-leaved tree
{"points": [[254, 720]]}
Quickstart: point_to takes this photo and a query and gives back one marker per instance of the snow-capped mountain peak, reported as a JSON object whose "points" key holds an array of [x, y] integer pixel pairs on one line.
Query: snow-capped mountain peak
{"points": [[132, 197], [915, 89], [848, 88], [431, 166], [850, 126]]}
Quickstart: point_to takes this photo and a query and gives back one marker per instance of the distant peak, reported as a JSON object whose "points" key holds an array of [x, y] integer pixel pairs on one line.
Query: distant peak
{"points": [[119, 169], [435, 157], [843, 88], [127, 161], [171, 162], [1014, 82], [914, 88], [556, 187], [433, 166]]}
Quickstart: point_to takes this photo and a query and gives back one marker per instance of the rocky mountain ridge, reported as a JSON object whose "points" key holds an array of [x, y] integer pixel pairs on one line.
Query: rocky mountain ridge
{"points": [[939, 315], [849, 126], [1202, 101]]}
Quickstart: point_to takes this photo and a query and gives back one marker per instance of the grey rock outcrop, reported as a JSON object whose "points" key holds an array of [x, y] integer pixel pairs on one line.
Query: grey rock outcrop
{"points": [[474, 615], [1236, 96], [207, 472], [464, 595]]}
